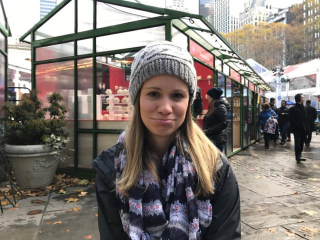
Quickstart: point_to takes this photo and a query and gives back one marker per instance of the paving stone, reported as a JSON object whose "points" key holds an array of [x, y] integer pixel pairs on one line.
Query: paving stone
{"points": [[308, 230], [80, 224], [271, 215], [296, 200], [248, 197]]}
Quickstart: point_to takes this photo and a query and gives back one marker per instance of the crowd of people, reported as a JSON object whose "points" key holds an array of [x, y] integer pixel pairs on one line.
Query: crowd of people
{"points": [[283, 121]]}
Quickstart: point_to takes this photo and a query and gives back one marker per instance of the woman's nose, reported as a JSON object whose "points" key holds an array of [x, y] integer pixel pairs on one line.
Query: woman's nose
{"points": [[165, 106]]}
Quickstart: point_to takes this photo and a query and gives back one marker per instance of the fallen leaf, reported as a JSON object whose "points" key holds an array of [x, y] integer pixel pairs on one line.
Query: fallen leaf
{"points": [[271, 230], [47, 214], [62, 191], [47, 223], [57, 222], [74, 209], [39, 231], [310, 212], [68, 230], [12, 208], [83, 182], [310, 230], [314, 179], [96, 214], [290, 233], [4, 203], [257, 177], [88, 237], [34, 212], [79, 190], [37, 201], [72, 200], [82, 194]]}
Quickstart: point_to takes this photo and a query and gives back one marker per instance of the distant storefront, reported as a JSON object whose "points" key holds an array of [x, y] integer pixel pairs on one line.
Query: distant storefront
{"points": [[84, 50]]}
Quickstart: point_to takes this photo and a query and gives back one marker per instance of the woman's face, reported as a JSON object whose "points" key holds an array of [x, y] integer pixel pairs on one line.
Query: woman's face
{"points": [[209, 98], [163, 104]]}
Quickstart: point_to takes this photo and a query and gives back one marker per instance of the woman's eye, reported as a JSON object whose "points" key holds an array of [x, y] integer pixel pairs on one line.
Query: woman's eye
{"points": [[178, 95], [153, 94]]}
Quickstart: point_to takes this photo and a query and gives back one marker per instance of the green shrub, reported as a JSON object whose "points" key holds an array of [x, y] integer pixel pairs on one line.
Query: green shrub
{"points": [[25, 123]]}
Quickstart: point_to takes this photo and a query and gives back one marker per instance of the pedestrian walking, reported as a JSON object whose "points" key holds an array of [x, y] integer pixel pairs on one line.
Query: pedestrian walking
{"points": [[273, 106], [197, 104], [298, 119], [266, 114], [312, 116], [216, 120], [283, 121], [165, 179]]}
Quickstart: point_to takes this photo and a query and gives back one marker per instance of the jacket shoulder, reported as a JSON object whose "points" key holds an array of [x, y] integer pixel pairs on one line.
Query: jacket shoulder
{"points": [[104, 164], [223, 168]]}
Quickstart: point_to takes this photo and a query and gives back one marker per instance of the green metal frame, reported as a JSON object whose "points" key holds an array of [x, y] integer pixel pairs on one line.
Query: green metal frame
{"points": [[5, 31], [169, 19]]}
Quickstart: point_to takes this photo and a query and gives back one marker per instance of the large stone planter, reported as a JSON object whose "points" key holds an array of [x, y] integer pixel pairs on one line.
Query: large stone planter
{"points": [[33, 166]]}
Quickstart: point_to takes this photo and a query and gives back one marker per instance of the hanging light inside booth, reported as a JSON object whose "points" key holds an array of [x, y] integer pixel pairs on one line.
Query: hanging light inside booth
{"points": [[113, 59], [209, 77]]}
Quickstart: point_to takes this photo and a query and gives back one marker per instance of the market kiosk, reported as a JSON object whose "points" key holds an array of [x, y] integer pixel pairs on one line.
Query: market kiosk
{"points": [[84, 50]]}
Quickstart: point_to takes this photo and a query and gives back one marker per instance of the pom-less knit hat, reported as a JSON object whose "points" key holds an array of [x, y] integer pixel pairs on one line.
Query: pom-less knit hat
{"points": [[215, 92], [162, 58]]}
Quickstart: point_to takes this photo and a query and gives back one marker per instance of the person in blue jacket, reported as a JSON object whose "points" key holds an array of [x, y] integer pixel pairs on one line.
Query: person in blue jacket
{"points": [[264, 115]]}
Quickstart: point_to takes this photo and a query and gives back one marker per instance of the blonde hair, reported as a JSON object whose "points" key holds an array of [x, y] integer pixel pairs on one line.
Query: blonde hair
{"points": [[203, 153]]}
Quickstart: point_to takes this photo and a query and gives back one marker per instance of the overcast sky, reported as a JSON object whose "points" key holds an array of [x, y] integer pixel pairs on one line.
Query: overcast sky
{"points": [[23, 14]]}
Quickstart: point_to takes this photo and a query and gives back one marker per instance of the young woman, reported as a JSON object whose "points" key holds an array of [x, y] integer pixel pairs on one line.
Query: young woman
{"points": [[264, 115], [215, 121], [164, 179]]}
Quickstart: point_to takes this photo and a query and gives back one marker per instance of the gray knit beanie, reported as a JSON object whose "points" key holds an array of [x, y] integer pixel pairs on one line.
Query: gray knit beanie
{"points": [[162, 58]]}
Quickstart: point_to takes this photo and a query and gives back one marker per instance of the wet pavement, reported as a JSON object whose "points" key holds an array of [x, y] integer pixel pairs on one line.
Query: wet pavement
{"points": [[280, 199]]}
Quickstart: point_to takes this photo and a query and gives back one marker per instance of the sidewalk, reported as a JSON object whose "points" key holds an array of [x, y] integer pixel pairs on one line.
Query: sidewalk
{"points": [[280, 199]]}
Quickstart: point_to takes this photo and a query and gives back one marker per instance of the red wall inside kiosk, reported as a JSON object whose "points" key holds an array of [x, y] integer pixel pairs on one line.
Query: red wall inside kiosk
{"points": [[204, 84]]}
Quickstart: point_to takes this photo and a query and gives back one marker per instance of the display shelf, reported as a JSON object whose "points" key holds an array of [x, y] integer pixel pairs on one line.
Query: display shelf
{"points": [[118, 95], [116, 103]]}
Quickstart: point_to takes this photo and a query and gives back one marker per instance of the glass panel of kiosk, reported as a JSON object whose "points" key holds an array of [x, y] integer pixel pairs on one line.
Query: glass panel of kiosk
{"points": [[245, 117], [236, 105], [229, 145]]}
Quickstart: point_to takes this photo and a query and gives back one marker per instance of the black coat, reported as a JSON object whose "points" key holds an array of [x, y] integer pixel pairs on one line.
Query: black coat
{"points": [[298, 118], [197, 107], [214, 124], [282, 119], [312, 114], [225, 223]]}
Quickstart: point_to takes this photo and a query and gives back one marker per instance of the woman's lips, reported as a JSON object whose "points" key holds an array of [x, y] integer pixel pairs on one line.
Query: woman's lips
{"points": [[164, 121]]}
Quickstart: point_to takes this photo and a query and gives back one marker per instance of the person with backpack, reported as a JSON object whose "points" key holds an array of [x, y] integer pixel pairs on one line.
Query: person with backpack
{"points": [[266, 114]]}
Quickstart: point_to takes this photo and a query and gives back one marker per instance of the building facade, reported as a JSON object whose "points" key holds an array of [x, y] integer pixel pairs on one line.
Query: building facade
{"points": [[225, 17], [46, 6], [311, 19], [256, 11]]}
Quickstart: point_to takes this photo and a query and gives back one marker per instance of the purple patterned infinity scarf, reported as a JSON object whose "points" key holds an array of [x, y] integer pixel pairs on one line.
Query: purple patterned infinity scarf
{"points": [[167, 212]]}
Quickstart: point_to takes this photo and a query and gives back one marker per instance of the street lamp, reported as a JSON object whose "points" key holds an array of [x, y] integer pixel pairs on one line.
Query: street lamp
{"points": [[278, 72]]}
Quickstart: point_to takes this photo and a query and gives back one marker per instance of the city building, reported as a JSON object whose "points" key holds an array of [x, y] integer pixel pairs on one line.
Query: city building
{"points": [[256, 11], [225, 16], [206, 8], [189, 6], [93, 79], [46, 6], [284, 15], [311, 19]]}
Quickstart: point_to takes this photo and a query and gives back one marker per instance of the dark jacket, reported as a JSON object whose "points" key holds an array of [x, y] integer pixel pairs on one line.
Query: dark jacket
{"points": [[312, 114], [225, 223], [298, 118], [273, 107], [214, 124], [283, 119], [197, 107]]}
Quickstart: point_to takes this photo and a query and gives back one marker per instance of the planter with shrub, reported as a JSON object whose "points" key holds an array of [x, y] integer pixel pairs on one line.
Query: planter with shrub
{"points": [[33, 143]]}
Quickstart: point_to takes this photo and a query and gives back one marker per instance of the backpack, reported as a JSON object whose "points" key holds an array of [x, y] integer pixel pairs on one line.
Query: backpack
{"points": [[271, 125]]}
